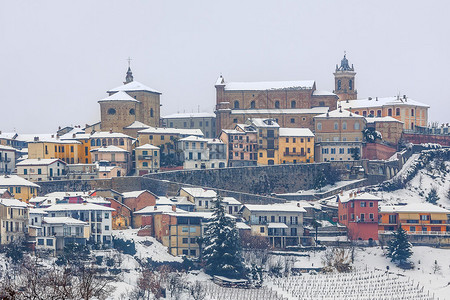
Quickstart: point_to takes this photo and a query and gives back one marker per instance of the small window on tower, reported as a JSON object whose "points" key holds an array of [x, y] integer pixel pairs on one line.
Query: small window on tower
{"points": [[132, 112], [339, 85], [151, 112], [111, 111], [350, 84]]}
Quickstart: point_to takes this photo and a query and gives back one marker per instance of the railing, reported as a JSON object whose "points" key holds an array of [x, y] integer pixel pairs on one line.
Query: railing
{"points": [[418, 232], [141, 157], [294, 153]]}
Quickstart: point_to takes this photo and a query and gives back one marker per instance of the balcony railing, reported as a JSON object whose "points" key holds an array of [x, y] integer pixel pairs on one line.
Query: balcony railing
{"points": [[446, 233], [294, 154]]}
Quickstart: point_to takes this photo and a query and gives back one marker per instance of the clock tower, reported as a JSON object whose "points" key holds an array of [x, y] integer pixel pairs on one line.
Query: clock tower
{"points": [[344, 81]]}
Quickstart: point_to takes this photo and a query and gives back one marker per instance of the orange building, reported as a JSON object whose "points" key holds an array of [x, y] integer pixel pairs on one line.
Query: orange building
{"points": [[421, 218]]}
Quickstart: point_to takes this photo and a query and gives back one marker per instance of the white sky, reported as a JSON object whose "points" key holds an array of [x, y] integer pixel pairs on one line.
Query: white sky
{"points": [[58, 58]]}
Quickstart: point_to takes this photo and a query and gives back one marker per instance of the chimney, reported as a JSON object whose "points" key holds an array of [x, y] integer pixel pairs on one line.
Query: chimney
{"points": [[298, 204], [59, 127], [370, 98], [53, 135], [36, 138], [174, 208], [376, 98], [155, 208], [74, 135], [110, 130]]}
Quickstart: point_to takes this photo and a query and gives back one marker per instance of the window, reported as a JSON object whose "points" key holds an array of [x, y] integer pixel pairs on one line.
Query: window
{"points": [[336, 126], [236, 104], [277, 104], [333, 150], [287, 140], [371, 216], [412, 112], [106, 227], [370, 204], [25, 171], [292, 120], [235, 120], [363, 204], [111, 111], [162, 138], [106, 215], [252, 104], [193, 252], [379, 113], [261, 229], [151, 112], [145, 164], [390, 112], [132, 112], [356, 126], [365, 113], [50, 242], [185, 229], [350, 84], [424, 217], [397, 111], [319, 126], [185, 240], [412, 228], [339, 84], [39, 171], [185, 252], [344, 125], [293, 104], [41, 242], [341, 151]]}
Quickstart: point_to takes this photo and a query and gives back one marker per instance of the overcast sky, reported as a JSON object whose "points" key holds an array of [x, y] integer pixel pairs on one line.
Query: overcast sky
{"points": [[59, 58]]}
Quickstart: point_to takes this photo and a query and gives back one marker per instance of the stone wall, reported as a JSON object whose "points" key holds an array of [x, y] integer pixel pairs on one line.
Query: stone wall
{"points": [[262, 180]]}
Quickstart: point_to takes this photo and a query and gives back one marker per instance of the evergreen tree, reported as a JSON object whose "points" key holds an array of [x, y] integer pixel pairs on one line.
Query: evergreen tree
{"points": [[222, 250], [399, 247], [432, 196], [320, 180]]}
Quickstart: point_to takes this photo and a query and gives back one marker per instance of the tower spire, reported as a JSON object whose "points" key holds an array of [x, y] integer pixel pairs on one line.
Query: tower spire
{"points": [[129, 77]]}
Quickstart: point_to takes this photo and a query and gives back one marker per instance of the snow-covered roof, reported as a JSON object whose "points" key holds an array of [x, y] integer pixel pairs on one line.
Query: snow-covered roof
{"points": [[119, 96], [107, 168], [164, 201], [296, 132], [363, 196], [269, 85], [109, 148], [147, 147], [6, 148], [277, 225], [37, 211], [107, 134], [166, 130], [214, 141], [287, 207], [379, 102], [14, 180], [137, 125], [134, 194], [192, 138], [339, 113], [158, 209], [2, 191], [39, 162], [230, 201], [12, 203], [232, 131], [133, 86], [190, 115], [66, 194], [63, 220], [77, 206], [275, 111], [382, 119], [8, 135], [259, 122], [96, 200], [323, 93], [200, 192], [414, 208], [242, 225]]}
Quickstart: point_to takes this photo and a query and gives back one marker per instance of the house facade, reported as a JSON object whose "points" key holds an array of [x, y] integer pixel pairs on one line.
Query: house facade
{"points": [[42, 169], [13, 220]]}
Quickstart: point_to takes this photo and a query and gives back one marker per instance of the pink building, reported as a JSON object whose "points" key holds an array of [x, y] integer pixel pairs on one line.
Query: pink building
{"points": [[359, 213], [113, 156], [241, 144]]}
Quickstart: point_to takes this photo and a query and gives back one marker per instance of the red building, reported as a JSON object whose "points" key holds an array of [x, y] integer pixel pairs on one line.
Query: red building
{"points": [[359, 213]]}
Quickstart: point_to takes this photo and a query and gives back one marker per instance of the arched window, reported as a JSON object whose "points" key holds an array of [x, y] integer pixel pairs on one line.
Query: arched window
{"points": [[116, 142], [277, 104], [397, 111], [252, 104], [236, 104], [92, 142], [293, 104], [109, 142], [365, 113], [412, 125], [121, 143], [132, 112], [344, 125], [111, 111], [319, 126], [339, 85], [350, 84], [103, 142], [379, 113], [151, 112], [390, 112], [145, 164], [371, 113], [357, 112], [356, 126], [336, 126], [412, 112], [99, 142]]}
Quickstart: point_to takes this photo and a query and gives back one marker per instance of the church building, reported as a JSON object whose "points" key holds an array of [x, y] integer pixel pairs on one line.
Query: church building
{"points": [[129, 103]]}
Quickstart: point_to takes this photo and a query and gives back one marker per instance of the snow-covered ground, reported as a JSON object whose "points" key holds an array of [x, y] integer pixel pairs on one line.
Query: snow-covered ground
{"points": [[418, 188]]}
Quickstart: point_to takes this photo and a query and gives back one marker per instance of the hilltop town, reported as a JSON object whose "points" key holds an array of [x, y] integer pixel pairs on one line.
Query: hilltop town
{"points": [[292, 178]]}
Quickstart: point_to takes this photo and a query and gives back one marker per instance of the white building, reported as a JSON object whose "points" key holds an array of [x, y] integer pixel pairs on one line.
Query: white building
{"points": [[7, 159], [217, 153], [195, 152], [41, 169], [98, 217]]}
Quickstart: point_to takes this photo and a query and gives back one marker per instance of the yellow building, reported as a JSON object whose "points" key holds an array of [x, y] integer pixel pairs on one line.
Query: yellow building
{"points": [[267, 137], [68, 151], [162, 136], [14, 220], [296, 145], [21, 188], [147, 159]]}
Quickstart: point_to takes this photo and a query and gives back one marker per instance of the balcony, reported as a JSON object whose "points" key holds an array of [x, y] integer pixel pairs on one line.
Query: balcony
{"points": [[439, 233], [145, 157], [294, 154]]}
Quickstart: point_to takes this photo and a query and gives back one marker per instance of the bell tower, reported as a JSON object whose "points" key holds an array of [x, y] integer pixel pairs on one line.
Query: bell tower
{"points": [[344, 81]]}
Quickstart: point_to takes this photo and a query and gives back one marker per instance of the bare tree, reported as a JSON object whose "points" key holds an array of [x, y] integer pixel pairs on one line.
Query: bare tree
{"points": [[197, 291], [176, 284], [90, 285], [338, 259]]}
